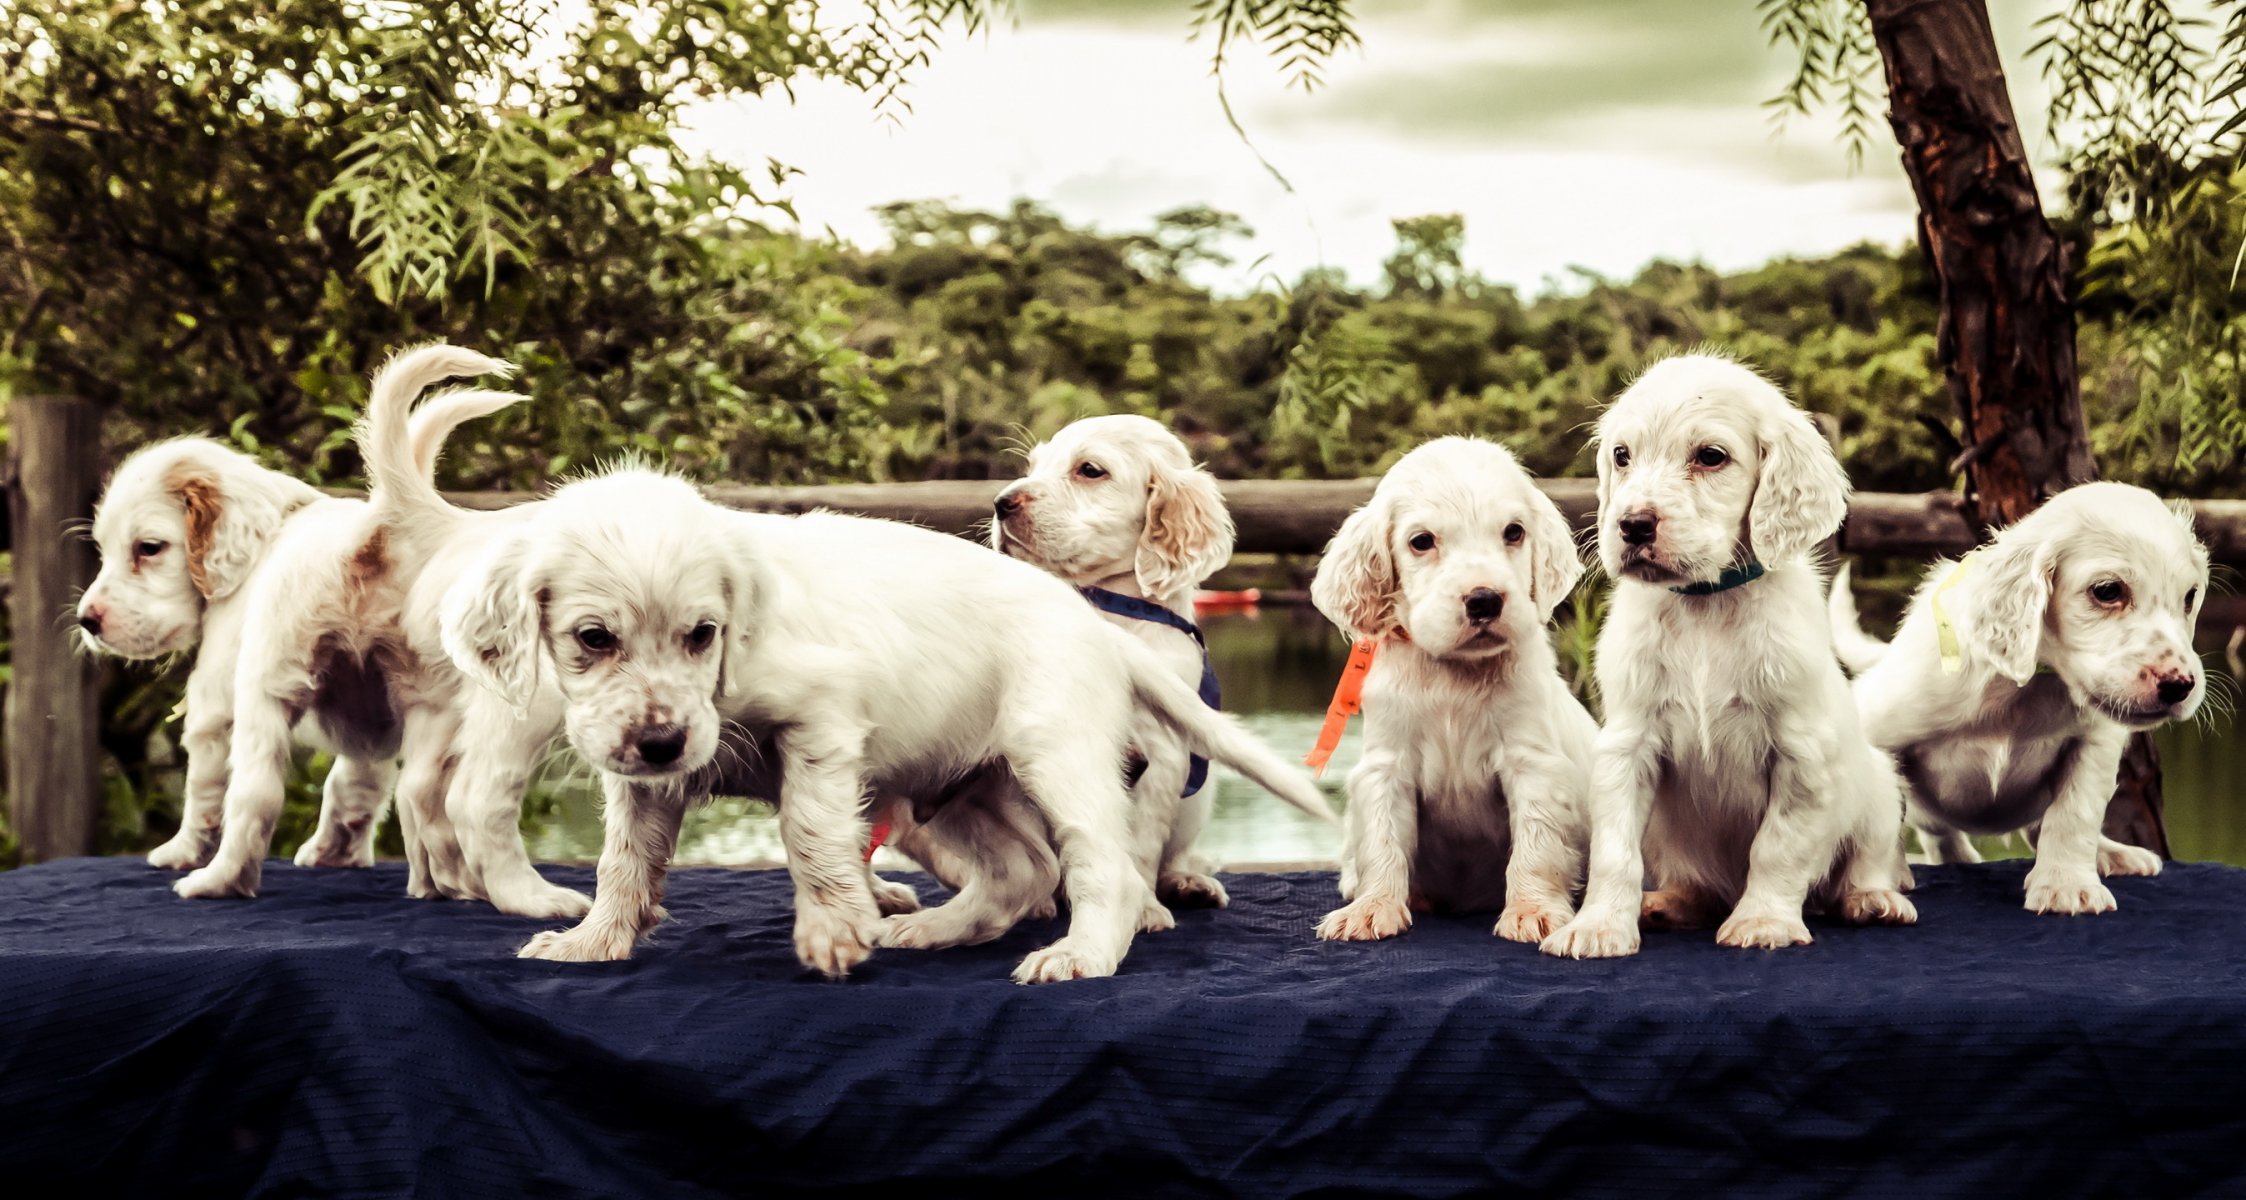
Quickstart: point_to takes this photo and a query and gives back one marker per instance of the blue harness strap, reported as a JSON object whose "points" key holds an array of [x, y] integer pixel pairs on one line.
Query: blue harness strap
{"points": [[1146, 610]]}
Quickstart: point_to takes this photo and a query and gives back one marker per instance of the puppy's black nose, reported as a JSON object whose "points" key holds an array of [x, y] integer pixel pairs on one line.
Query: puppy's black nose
{"points": [[2174, 690], [661, 745], [1638, 527], [91, 623], [1483, 605], [1007, 504]]}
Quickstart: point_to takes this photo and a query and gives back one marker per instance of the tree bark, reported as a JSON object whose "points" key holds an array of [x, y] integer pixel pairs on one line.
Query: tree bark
{"points": [[53, 726], [2007, 337]]}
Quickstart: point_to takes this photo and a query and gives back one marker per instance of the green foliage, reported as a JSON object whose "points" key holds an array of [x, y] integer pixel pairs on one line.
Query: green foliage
{"points": [[1836, 64], [2164, 339], [2148, 111]]}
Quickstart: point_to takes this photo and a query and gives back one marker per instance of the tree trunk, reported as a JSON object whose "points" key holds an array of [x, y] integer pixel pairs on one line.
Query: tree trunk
{"points": [[2007, 332]]}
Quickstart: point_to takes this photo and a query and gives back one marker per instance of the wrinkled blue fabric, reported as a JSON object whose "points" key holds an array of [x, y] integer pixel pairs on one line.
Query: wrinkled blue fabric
{"points": [[334, 1038]]}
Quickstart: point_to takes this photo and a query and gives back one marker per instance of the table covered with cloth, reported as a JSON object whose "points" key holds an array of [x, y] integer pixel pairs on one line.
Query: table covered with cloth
{"points": [[334, 1038]]}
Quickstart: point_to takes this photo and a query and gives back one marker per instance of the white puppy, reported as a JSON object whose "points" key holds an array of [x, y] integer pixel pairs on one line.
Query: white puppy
{"points": [[2016, 678], [1469, 795], [319, 642], [877, 657], [183, 528], [1732, 763], [1115, 506]]}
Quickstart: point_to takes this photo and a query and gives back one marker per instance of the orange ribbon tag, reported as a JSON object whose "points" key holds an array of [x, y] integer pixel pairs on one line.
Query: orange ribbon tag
{"points": [[880, 835], [1349, 700]]}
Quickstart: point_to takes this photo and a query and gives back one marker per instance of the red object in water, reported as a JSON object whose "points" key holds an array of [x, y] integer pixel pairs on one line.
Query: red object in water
{"points": [[1204, 601]]}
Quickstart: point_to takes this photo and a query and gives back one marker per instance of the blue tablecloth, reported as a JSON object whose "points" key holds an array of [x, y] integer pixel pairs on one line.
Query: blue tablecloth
{"points": [[334, 1038]]}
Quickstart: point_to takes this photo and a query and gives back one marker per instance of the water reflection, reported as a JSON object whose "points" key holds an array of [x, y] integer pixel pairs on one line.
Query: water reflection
{"points": [[1278, 668]]}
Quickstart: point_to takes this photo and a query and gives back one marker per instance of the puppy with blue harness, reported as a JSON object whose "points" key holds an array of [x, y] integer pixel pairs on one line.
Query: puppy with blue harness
{"points": [[1212, 693], [1116, 506]]}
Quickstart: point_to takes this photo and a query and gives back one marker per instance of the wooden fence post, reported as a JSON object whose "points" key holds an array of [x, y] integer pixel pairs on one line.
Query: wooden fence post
{"points": [[54, 765]]}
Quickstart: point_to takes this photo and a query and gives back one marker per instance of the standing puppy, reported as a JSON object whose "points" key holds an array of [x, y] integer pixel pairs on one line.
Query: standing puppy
{"points": [[1469, 795], [1731, 763], [1115, 506], [871, 654], [185, 528], [320, 645], [2019, 673]]}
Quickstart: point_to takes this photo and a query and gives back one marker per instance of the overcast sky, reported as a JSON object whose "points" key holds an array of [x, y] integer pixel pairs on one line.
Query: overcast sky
{"points": [[1591, 133]]}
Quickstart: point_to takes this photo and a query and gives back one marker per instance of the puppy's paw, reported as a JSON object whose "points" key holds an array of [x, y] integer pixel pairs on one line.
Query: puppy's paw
{"points": [[1192, 891], [184, 852], [1063, 960], [585, 943], [1043, 910], [1592, 937], [1528, 921], [547, 902], [333, 852], [938, 928], [1153, 918], [893, 898], [1762, 931], [211, 883], [2067, 893], [2114, 858], [831, 939], [1877, 906], [1675, 908], [1366, 919]]}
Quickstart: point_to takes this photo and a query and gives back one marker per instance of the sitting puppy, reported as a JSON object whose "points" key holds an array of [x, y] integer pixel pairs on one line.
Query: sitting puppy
{"points": [[183, 528], [2017, 676], [1470, 792], [1731, 763], [318, 641], [1115, 506], [867, 651]]}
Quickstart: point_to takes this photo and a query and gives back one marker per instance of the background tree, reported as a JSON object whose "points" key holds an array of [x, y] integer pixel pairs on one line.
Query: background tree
{"points": [[2149, 110], [1429, 258]]}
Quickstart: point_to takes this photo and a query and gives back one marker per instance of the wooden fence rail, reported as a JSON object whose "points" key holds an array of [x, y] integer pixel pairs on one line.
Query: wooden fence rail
{"points": [[1298, 516], [52, 721]]}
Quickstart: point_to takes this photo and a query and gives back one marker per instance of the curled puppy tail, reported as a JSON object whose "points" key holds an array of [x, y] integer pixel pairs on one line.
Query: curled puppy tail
{"points": [[400, 444], [1858, 650], [1216, 735]]}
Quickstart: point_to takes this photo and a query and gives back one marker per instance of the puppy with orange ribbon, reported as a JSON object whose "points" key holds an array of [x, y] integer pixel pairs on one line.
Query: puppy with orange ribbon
{"points": [[1469, 796]]}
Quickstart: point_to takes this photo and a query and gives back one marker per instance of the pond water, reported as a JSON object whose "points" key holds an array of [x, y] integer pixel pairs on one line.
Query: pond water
{"points": [[1278, 668]]}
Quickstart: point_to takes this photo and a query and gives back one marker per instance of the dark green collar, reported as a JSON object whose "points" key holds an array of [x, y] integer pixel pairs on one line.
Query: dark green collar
{"points": [[1732, 577]]}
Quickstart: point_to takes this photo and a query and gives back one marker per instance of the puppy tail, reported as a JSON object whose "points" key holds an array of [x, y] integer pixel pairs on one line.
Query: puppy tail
{"points": [[400, 443], [1858, 651], [1217, 735]]}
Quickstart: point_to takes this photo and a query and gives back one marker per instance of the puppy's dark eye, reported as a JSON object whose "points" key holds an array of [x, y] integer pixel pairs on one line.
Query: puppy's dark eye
{"points": [[1514, 533], [1090, 471], [596, 639], [149, 548], [1422, 542], [2191, 599], [2110, 592], [1622, 456], [699, 638], [1708, 458]]}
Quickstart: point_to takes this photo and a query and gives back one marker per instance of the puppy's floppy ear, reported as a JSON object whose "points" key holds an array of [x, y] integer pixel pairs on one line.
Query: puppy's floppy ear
{"points": [[490, 621], [2003, 621], [1554, 565], [747, 589], [1802, 493], [1188, 533], [230, 524], [1356, 582]]}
